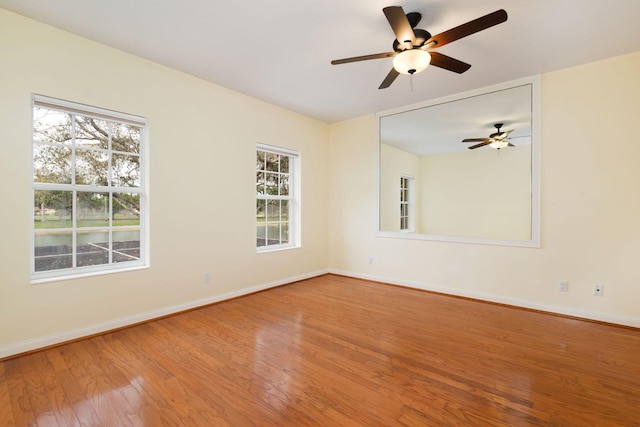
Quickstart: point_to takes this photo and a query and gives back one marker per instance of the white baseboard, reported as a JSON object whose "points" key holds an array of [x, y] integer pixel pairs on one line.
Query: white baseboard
{"points": [[62, 337], [516, 302]]}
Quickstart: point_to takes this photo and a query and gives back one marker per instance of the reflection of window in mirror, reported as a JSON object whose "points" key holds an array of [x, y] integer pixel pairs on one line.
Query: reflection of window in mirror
{"points": [[406, 203]]}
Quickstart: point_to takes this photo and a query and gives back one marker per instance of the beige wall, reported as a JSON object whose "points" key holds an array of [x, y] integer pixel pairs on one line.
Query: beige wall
{"points": [[202, 154], [485, 193], [589, 215]]}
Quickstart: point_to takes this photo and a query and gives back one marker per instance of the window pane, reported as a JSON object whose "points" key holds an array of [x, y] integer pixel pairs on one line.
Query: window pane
{"points": [[284, 210], [260, 184], [273, 233], [52, 209], [125, 209], [260, 156], [53, 250], [92, 132], [272, 183], [125, 138], [284, 184], [260, 210], [92, 209], [125, 170], [92, 248], [126, 245], [261, 225], [91, 167], [261, 234], [51, 164], [285, 232], [273, 162], [51, 126], [284, 164], [273, 210]]}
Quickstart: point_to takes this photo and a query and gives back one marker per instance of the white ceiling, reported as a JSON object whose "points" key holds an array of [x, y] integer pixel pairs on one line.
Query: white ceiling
{"points": [[280, 50]]}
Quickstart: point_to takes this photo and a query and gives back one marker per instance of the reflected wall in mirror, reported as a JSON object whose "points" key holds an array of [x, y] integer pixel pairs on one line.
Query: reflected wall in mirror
{"points": [[434, 186]]}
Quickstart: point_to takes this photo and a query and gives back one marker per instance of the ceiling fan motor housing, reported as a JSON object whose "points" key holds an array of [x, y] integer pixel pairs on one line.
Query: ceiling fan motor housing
{"points": [[421, 37], [497, 134]]}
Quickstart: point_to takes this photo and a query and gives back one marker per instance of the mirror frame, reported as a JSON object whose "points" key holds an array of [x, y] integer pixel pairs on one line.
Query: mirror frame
{"points": [[534, 241]]}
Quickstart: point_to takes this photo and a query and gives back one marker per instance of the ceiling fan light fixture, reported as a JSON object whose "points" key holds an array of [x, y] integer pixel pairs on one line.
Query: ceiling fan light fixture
{"points": [[411, 61], [499, 143]]}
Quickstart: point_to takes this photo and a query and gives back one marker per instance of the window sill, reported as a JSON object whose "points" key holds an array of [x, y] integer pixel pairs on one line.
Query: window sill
{"points": [[276, 249], [48, 279]]}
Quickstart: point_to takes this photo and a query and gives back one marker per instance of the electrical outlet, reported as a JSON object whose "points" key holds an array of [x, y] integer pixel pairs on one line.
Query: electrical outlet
{"points": [[598, 290], [562, 286], [206, 278], [370, 260]]}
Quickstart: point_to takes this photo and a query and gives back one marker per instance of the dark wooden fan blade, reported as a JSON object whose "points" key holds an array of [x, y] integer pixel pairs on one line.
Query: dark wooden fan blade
{"points": [[363, 58], [473, 147], [448, 63], [400, 25], [510, 145], [471, 27], [389, 79], [475, 140]]}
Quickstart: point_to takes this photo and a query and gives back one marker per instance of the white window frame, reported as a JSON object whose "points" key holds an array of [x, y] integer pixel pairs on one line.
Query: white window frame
{"points": [[293, 198], [142, 190], [410, 208]]}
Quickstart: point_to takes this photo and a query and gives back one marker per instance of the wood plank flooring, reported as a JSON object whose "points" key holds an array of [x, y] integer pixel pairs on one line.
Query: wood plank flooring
{"points": [[335, 351]]}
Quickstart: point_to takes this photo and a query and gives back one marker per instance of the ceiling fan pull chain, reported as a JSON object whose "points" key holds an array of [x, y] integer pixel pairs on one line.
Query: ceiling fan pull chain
{"points": [[411, 81]]}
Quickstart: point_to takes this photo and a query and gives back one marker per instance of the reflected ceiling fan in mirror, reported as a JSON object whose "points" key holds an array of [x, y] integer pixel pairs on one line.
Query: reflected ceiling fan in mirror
{"points": [[498, 139], [413, 47]]}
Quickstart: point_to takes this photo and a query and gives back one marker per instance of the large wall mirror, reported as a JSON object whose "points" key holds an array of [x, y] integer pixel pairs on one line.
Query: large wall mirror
{"points": [[434, 186]]}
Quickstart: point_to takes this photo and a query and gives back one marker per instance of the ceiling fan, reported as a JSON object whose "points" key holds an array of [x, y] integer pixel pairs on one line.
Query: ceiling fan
{"points": [[411, 49], [496, 140]]}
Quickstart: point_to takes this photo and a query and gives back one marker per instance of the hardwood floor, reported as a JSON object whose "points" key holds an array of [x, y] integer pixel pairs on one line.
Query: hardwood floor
{"points": [[335, 351]]}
